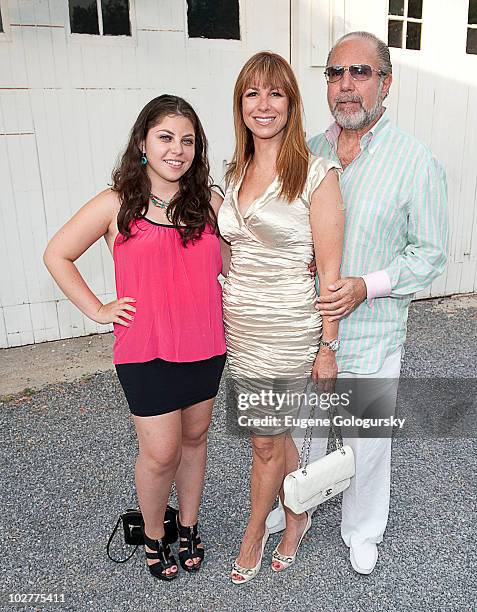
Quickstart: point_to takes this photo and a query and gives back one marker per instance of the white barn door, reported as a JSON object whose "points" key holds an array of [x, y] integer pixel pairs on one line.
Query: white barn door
{"points": [[67, 103]]}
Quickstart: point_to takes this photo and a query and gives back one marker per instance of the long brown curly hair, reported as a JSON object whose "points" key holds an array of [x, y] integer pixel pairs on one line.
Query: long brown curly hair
{"points": [[271, 70], [190, 210]]}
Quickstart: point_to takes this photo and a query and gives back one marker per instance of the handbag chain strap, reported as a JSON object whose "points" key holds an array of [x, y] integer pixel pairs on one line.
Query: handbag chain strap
{"points": [[305, 449]]}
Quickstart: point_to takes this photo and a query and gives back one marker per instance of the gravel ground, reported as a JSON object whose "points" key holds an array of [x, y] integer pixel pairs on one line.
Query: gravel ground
{"points": [[68, 458]]}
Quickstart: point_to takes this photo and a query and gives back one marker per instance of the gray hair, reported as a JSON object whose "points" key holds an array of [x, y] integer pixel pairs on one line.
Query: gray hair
{"points": [[382, 49]]}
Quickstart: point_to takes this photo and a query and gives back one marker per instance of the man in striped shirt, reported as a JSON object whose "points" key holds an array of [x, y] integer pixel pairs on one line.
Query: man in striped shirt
{"points": [[395, 194]]}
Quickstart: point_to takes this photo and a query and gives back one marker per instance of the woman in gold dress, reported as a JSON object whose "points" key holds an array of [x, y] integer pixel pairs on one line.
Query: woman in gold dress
{"points": [[282, 205]]}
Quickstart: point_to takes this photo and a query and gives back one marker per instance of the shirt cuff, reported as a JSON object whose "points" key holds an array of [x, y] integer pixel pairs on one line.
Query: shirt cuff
{"points": [[378, 284]]}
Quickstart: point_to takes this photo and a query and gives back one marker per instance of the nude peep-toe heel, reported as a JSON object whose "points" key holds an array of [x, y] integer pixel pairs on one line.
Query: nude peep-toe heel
{"points": [[247, 573], [284, 560]]}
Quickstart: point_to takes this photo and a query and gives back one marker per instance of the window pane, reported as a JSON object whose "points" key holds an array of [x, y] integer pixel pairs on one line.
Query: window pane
{"points": [[473, 12], [218, 19], [414, 9], [84, 16], [395, 34], [413, 36], [396, 7], [116, 17], [472, 40]]}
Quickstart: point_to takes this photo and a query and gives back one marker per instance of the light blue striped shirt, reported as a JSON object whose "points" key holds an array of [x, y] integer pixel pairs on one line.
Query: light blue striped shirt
{"points": [[395, 195]]}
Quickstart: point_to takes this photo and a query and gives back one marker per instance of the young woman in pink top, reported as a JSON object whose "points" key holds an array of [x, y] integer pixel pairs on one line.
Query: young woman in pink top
{"points": [[159, 222]]}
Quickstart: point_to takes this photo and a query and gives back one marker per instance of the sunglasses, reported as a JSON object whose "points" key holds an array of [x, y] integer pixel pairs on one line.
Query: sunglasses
{"points": [[358, 72]]}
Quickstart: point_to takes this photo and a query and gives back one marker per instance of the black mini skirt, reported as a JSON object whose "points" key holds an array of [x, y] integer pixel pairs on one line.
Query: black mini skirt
{"points": [[158, 387]]}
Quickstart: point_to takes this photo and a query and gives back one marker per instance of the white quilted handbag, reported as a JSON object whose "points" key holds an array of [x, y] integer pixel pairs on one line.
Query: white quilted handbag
{"points": [[312, 484]]}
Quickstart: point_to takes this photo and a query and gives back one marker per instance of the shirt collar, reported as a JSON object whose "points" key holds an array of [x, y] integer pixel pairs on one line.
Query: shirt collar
{"points": [[369, 140]]}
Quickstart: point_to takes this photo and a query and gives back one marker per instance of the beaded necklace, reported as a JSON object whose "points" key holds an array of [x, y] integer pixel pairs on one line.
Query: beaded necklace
{"points": [[159, 202]]}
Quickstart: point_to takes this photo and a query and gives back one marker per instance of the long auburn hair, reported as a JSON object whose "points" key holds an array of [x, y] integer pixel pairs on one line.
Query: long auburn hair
{"points": [[271, 70], [190, 209]]}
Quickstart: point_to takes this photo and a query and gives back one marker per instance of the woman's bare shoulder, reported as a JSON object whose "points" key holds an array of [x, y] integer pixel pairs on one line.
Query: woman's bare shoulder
{"points": [[108, 198]]}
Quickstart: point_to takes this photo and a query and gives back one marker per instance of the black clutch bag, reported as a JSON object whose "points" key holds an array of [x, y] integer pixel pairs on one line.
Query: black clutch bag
{"points": [[133, 528]]}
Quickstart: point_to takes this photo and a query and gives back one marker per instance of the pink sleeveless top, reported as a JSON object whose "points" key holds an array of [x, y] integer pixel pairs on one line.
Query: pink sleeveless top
{"points": [[178, 296]]}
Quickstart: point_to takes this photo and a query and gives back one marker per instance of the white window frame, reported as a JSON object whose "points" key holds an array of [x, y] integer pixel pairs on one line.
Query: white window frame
{"points": [[5, 36], [217, 43], [103, 39], [405, 19]]}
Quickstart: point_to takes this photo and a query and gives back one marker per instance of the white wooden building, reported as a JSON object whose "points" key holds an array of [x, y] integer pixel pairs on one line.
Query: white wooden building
{"points": [[68, 100]]}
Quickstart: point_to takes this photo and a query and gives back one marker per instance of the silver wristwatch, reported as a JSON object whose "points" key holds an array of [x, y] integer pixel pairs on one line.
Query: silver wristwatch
{"points": [[333, 345]]}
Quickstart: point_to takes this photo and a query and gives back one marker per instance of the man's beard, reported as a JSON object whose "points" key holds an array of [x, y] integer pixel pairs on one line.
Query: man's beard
{"points": [[357, 120]]}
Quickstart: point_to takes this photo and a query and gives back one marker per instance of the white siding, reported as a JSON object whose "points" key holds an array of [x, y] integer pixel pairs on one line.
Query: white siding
{"points": [[67, 103], [433, 96]]}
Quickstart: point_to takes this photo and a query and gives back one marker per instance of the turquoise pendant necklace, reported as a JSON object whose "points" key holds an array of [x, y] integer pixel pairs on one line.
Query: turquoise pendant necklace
{"points": [[159, 202]]}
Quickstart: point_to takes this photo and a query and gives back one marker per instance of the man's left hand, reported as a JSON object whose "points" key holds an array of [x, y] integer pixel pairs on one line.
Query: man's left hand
{"points": [[347, 294]]}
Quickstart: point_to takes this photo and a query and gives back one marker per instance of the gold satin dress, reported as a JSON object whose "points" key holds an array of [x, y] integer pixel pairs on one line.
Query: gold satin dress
{"points": [[272, 327]]}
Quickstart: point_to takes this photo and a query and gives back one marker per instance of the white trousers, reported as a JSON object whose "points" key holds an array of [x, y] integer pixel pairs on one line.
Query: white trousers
{"points": [[365, 506]]}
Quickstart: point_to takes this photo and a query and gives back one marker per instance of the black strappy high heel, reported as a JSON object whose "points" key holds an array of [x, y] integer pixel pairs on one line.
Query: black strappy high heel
{"points": [[162, 552], [188, 537]]}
